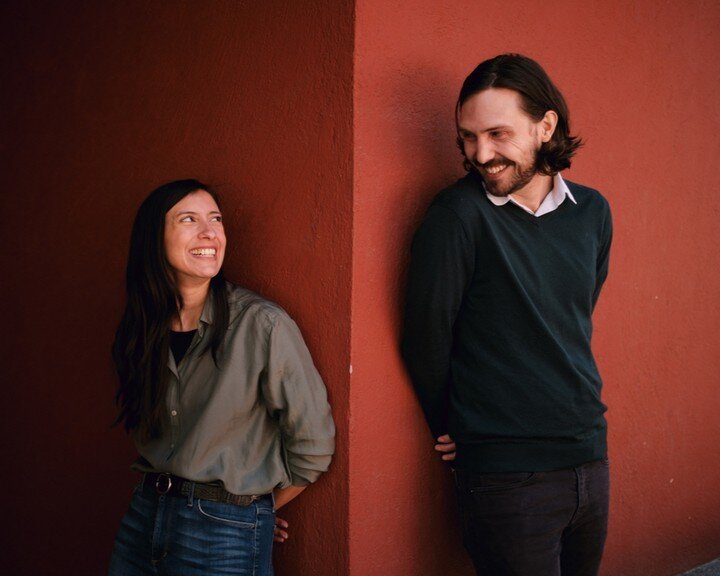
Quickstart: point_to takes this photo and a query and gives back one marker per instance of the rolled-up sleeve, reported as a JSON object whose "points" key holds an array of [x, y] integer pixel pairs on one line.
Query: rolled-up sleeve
{"points": [[296, 397]]}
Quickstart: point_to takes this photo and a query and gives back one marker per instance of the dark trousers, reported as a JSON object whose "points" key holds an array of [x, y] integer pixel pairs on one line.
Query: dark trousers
{"points": [[535, 523]]}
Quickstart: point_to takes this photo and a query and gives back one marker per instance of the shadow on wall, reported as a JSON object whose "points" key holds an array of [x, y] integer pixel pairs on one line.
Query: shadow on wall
{"points": [[427, 157], [420, 159]]}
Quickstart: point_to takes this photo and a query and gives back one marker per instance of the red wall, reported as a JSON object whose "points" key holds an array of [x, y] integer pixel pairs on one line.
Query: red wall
{"points": [[101, 102], [326, 164], [641, 79]]}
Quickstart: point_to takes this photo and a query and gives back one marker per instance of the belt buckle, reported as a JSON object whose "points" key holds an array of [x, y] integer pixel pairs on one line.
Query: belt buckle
{"points": [[160, 483]]}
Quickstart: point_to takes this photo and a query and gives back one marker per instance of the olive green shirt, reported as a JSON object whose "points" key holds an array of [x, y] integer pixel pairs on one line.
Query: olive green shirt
{"points": [[259, 421]]}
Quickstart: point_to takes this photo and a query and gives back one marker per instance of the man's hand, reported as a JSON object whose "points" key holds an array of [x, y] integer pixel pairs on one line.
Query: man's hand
{"points": [[446, 447], [280, 535]]}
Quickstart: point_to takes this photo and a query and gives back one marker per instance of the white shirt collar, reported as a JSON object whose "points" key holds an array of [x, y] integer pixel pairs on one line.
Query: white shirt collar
{"points": [[551, 202]]}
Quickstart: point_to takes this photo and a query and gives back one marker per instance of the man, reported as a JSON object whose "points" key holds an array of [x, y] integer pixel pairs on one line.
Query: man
{"points": [[506, 269]]}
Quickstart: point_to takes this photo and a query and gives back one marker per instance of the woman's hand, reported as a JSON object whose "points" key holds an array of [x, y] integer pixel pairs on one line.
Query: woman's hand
{"points": [[280, 534], [282, 496]]}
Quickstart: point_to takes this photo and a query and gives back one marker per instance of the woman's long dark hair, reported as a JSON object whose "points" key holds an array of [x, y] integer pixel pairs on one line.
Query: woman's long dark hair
{"points": [[538, 93], [141, 347]]}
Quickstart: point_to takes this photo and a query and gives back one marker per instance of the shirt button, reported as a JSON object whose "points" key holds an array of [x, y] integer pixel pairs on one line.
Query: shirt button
{"points": [[174, 412]]}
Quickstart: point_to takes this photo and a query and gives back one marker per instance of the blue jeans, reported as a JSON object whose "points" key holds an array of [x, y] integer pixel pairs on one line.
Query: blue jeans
{"points": [[535, 523], [163, 535]]}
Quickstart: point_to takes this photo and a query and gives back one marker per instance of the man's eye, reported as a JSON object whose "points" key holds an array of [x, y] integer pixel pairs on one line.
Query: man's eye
{"points": [[497, 134], [468, 137]]}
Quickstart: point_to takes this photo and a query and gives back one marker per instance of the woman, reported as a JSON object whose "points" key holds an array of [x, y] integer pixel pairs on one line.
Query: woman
{"points": [[220, 394]]}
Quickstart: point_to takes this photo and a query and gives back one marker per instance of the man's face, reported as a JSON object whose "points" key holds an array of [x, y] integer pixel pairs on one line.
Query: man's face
{"points": [[500, 140]]}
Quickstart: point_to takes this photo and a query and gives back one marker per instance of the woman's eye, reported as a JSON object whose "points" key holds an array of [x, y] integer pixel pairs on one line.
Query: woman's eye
{"points": [[186, 219], [216, 219]]}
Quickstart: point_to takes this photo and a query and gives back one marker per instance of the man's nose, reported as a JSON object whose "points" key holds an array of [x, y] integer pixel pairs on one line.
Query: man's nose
{"points": [[484, 152]]}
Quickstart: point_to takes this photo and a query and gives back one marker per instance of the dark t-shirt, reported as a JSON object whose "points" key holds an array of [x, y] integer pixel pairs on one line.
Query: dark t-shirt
{"points": [[179, 343]]}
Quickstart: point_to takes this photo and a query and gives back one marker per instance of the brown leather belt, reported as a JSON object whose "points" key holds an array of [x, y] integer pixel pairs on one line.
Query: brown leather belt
{"points": [[176, 486]]}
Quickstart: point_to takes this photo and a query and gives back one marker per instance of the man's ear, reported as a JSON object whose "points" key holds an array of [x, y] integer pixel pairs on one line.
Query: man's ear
{"points": [[547, 125]]}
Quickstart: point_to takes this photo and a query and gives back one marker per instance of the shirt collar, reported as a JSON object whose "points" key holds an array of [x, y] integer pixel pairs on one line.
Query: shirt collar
{"points": [[208, 313], [556, 197]]}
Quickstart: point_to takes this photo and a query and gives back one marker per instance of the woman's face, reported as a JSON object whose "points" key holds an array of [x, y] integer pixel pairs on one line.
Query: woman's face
{"points": [[194, 238]]}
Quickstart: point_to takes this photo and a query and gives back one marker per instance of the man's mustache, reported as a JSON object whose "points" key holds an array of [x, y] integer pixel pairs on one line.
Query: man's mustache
{"points": [[495, 162]]}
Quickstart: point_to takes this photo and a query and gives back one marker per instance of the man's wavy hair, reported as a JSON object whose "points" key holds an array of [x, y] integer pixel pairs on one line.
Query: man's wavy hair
{"points": [[538, 93]]}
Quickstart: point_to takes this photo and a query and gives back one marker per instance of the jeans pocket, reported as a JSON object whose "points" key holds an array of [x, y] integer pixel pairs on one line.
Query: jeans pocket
{"points": [[499, 482], [229, 514]]}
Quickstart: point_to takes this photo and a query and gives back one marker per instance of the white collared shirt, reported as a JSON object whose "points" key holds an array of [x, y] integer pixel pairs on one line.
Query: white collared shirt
{"points": [[556, 197]]}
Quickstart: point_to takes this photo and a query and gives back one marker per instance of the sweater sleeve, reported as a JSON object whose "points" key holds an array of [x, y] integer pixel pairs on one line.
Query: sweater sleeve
{"points": [[441, 267], [295, 395], [603, 258]]}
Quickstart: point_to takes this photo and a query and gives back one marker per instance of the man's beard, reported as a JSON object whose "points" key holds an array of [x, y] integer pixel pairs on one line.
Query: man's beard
{"points": [[521, 176]]}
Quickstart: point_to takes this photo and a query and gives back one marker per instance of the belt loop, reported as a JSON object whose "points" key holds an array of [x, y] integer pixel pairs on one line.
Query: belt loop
{"points": [[191, 494]]}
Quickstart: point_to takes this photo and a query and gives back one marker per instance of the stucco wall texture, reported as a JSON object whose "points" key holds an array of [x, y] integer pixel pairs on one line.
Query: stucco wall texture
{"points": [[101, 102], [641, 80], [327, 126]]}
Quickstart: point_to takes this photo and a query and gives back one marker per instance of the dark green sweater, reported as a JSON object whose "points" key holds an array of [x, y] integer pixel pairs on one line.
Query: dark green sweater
{"points": [[498, 327]]}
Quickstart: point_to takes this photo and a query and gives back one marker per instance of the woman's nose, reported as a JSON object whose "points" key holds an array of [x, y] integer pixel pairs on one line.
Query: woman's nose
{"points": [[207, 231]]}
